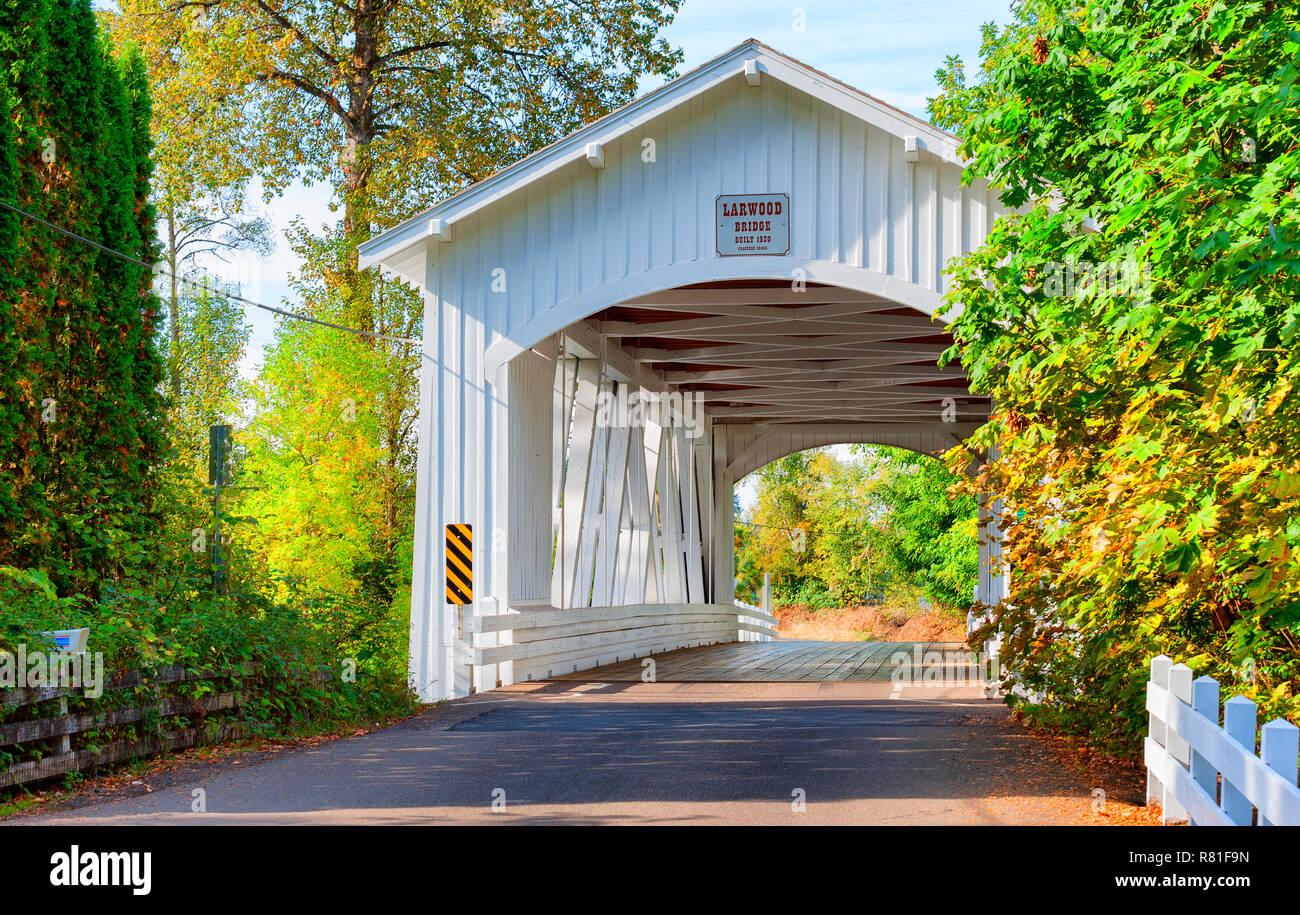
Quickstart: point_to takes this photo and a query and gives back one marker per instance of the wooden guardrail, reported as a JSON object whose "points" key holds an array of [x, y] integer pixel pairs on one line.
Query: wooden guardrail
{"points": [[1207, 774], [39, 744]]}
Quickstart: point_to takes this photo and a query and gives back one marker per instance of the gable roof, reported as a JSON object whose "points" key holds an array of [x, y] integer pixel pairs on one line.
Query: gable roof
{"points": [[388, 245]]}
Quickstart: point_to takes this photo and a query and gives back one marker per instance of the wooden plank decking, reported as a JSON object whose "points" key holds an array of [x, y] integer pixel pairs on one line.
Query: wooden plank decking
{"points": [[783, 660]]}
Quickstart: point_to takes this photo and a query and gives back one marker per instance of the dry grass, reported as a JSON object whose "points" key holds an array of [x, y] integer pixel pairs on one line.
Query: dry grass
{"points": [[869, 623]]}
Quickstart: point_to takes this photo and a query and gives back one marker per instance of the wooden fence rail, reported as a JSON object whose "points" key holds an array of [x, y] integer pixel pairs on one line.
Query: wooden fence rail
{"points": [[58, 725], [1208, 774]]}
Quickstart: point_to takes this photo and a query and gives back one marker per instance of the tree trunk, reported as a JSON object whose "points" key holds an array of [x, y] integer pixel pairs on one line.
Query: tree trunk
{"points": [[359, 132], [173, 306]]}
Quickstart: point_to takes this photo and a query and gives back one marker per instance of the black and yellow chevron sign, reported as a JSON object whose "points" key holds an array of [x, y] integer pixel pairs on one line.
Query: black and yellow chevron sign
{"points": [[460, 564]]}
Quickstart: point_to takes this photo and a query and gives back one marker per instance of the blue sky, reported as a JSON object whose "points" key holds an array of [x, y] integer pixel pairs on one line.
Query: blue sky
{"points": [[888, 48]]}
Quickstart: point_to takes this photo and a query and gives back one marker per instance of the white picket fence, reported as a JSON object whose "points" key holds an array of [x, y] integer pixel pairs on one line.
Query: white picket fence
{"points": [[1208, 774]]}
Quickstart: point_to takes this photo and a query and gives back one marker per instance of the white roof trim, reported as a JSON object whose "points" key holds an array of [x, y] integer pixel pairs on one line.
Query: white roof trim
{"points": [[387, 245]]}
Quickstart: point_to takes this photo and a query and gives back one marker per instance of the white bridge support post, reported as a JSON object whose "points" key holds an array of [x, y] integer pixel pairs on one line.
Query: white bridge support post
{"points": [[993, 571], [453, 454], [723, 543], [521, 537], [469, 429], [992, 588]]}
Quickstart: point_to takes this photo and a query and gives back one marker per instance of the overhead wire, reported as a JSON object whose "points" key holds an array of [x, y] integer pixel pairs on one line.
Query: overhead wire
{"points": [[158, 271]]}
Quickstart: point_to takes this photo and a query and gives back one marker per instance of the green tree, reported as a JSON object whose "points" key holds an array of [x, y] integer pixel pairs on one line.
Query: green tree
{"points": [[211, 340], [194, 230], [12, 414], [849, 541], [1137, 323], [392, 104], [201, 174], [929, 532], [781, 539], [81, 479], [839, 533], [96, 517]]}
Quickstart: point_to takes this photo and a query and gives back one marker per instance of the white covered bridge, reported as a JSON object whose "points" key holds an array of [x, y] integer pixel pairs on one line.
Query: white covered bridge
{"points": [[742, 264]]}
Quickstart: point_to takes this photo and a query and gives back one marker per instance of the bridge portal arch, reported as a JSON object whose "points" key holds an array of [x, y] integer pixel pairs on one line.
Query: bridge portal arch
{"points": [[615, 330]]}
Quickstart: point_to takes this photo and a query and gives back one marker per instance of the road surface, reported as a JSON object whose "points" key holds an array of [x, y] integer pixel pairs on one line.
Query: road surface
{"points": [[595, 752]]}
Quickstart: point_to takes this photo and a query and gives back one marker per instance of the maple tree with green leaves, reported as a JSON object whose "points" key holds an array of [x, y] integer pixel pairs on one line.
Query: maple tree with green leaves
{"points": [[1137, 326]]}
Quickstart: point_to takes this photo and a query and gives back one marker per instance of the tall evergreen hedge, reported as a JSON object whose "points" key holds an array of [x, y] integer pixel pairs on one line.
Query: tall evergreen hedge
{"points": [[80, 426]]}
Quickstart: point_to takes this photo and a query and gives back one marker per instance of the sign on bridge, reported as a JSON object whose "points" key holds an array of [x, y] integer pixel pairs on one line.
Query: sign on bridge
{"points": [[460, 564], [753, 224]]}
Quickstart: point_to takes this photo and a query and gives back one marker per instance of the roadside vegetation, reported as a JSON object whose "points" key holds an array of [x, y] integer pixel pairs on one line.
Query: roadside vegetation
{"points": [[1137, 326], [105, 518]]}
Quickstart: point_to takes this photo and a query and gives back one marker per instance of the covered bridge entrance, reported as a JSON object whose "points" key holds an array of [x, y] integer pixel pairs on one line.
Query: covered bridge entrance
{"points": [[742, 264]]}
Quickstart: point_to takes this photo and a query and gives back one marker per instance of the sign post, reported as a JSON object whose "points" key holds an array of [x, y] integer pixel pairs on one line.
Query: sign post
{"points": [[220, 440]]}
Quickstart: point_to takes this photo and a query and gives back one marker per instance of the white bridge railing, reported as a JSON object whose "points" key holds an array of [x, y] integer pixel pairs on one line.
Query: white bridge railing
{"points": [[1208, 774], [543, 641], [755, 623]]}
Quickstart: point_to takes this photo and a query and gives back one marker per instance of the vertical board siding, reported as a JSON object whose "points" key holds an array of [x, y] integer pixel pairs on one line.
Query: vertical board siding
{"points": [[876, 207], [854, 200], [852, 225], [900, 208], [925, 194]]}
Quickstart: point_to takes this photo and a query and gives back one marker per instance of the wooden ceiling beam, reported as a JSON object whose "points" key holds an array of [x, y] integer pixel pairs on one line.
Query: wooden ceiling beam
{"points": [[785, 294], [833, 371], [832, 413]]}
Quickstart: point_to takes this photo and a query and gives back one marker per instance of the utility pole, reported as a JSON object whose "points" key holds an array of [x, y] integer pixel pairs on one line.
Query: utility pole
{"points": [[220, 445]]}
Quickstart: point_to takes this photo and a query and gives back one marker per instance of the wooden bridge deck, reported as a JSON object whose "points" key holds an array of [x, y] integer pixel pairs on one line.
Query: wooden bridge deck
{"points": [[782, 660]]}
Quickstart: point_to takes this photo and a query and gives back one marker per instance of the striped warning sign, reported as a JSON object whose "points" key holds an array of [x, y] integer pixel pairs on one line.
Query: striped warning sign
{"points": [[460, 564]]}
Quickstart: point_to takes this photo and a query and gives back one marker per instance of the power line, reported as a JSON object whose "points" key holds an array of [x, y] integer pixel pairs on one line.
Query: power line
{"points": [[771, 527], [153, 268]]}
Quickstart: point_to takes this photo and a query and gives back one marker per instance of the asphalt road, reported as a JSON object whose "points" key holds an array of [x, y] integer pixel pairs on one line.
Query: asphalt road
{"points": [[638, 753]]}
